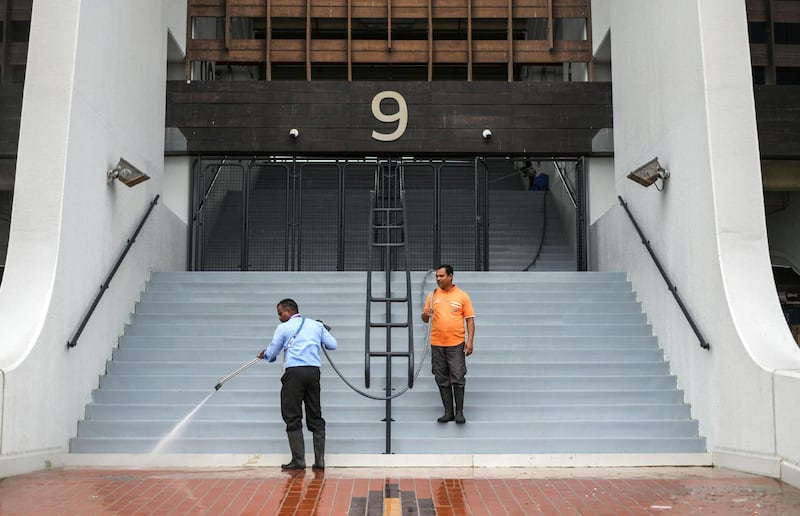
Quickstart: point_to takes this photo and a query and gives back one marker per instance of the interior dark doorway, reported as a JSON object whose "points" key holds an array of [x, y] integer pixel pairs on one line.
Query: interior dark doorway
{"points": [[312, 214]]}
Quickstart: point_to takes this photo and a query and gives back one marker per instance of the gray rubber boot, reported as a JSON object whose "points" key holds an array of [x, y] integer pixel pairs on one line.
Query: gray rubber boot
{"points": [[298, 448], [319, 450], [458, 392], [447, 400]]}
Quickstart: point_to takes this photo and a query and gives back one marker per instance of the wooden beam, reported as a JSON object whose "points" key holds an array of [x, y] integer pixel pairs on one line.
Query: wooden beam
{"points": [[445, 116], [430, 40], [469, 40], [510, 40], [268, 41], [349, 40], [308, 40]]}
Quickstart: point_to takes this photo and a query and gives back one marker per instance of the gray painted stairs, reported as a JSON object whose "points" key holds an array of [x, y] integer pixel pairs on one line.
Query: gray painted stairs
{"points": [[565, 363]]}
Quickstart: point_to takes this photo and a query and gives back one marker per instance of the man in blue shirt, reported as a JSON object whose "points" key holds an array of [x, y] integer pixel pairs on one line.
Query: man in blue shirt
{"points": [[300, 339]]}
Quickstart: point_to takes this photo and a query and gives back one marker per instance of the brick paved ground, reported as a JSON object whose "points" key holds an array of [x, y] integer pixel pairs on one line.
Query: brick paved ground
{"points": [[361, 491]]}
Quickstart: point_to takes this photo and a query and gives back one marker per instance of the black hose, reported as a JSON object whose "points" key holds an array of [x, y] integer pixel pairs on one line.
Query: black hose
{"points": [[416, 374], [544, 230]]}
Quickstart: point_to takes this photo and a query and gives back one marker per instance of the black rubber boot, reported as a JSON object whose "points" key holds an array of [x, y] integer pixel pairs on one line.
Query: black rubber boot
{"points": [[298, 448], [447, 400], [458, 392], [319, 450]]}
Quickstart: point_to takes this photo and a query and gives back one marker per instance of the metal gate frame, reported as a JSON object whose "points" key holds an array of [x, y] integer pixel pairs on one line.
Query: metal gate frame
{"points": [[209, 193]]}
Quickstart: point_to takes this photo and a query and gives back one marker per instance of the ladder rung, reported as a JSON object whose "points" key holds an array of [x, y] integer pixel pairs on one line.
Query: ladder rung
{"points": [[390, 226], [387, 209], [389, 325], [398, 244], [390, 299], [392, 354]]}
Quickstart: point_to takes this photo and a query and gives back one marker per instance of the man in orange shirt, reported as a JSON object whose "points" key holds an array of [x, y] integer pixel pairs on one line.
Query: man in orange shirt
{"points": [[450, 308]]}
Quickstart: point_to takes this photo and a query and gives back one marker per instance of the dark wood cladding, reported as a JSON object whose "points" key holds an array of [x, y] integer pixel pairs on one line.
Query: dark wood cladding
{"points": [[770, 52], [444, 118], [349, 33], [10, 111], [778, 120]]}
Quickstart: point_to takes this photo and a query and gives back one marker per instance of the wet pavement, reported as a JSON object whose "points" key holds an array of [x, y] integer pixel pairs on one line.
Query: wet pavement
{"points": [[397, 491]]}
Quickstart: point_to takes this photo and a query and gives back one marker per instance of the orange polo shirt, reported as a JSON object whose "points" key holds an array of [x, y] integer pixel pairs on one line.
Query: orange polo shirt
{"points": [[449, 311]]}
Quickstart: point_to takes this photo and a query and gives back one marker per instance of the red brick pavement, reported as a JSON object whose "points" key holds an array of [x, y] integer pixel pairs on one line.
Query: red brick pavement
{"points": [[350, 491]]}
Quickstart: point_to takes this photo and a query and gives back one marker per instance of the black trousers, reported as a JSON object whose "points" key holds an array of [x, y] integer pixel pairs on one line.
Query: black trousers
{"points": [[300, 386], [449, 365]]}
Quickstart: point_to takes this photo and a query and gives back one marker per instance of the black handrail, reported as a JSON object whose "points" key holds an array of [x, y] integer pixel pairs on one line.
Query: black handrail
{"points": [[672, 288], [74, 340]]}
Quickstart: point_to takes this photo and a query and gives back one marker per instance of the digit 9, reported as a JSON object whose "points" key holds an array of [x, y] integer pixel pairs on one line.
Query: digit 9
{"points": [[400, 116]]}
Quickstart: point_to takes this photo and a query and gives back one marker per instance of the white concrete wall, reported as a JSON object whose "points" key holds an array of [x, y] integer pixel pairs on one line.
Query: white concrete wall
{"points": [[94, 91], [682, 92], [602, 194], [177, 182]]}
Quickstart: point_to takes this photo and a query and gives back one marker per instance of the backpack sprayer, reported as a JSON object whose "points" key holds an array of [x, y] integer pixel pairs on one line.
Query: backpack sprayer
{"points": [[252, 363]]}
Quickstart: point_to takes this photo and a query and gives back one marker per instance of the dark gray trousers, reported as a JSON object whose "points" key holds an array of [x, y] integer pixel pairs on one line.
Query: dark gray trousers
{"points": [[449, 365]]}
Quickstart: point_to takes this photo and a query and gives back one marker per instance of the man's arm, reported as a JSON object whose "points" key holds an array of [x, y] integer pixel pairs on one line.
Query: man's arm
{"points": [[327, 340], [427, 311], [470, 335], [275, 347]]}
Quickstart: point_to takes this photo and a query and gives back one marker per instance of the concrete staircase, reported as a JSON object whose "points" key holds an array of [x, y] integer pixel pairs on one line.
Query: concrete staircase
{"points": [[516, 222], [565, 363]]}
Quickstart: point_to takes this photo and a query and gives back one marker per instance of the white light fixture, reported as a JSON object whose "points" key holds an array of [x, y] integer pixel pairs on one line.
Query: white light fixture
{"points": [[127, 174], [487, 134], [294, 133], [649, 173]]}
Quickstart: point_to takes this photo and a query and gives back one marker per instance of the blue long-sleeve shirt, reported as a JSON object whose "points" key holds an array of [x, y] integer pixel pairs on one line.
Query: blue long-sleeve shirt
{"points": [[304, 349]]}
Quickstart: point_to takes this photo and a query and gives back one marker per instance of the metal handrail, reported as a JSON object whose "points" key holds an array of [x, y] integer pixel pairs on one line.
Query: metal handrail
{"points": [[672, 288], [75, 336], [566, 184]]}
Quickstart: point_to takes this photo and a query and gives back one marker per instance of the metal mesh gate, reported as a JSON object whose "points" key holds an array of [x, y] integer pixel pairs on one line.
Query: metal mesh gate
{"points": [[313, 214]]}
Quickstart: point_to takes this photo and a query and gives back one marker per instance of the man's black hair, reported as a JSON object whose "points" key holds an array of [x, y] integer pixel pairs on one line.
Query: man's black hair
{"points": [[290, 304], [447, 268]]}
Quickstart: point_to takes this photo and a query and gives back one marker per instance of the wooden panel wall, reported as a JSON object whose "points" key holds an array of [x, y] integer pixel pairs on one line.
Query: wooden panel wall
{"points": [[13, 51], [15, 15], [778, 120], [335, 118], [10, 112], [470, 17], [771, 54]]}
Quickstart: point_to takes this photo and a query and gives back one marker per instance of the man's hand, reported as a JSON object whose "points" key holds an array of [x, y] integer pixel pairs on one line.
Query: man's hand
{"points": [[260, 355], [468, 348]]}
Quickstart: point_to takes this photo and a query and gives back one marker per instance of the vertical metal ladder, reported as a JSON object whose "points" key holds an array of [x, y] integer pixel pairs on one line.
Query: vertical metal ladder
{"points": [[387, 253]]}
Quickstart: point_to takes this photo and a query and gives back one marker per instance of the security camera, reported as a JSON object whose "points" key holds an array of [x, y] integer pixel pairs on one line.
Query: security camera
{"points": [[294, 133], [126, 173], [487, 134]]}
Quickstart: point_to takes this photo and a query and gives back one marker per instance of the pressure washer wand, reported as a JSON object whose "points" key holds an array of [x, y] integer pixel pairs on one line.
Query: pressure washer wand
{"points": [[250, 363]]}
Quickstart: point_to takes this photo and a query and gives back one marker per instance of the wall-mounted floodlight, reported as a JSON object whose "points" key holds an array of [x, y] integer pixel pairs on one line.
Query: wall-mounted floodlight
{"points": [[487, 134], [127, 174], [649, 173], [294, 133]]}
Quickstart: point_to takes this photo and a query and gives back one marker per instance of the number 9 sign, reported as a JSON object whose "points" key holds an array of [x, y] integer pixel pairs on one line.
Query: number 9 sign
{"points": [[400, 116]]}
